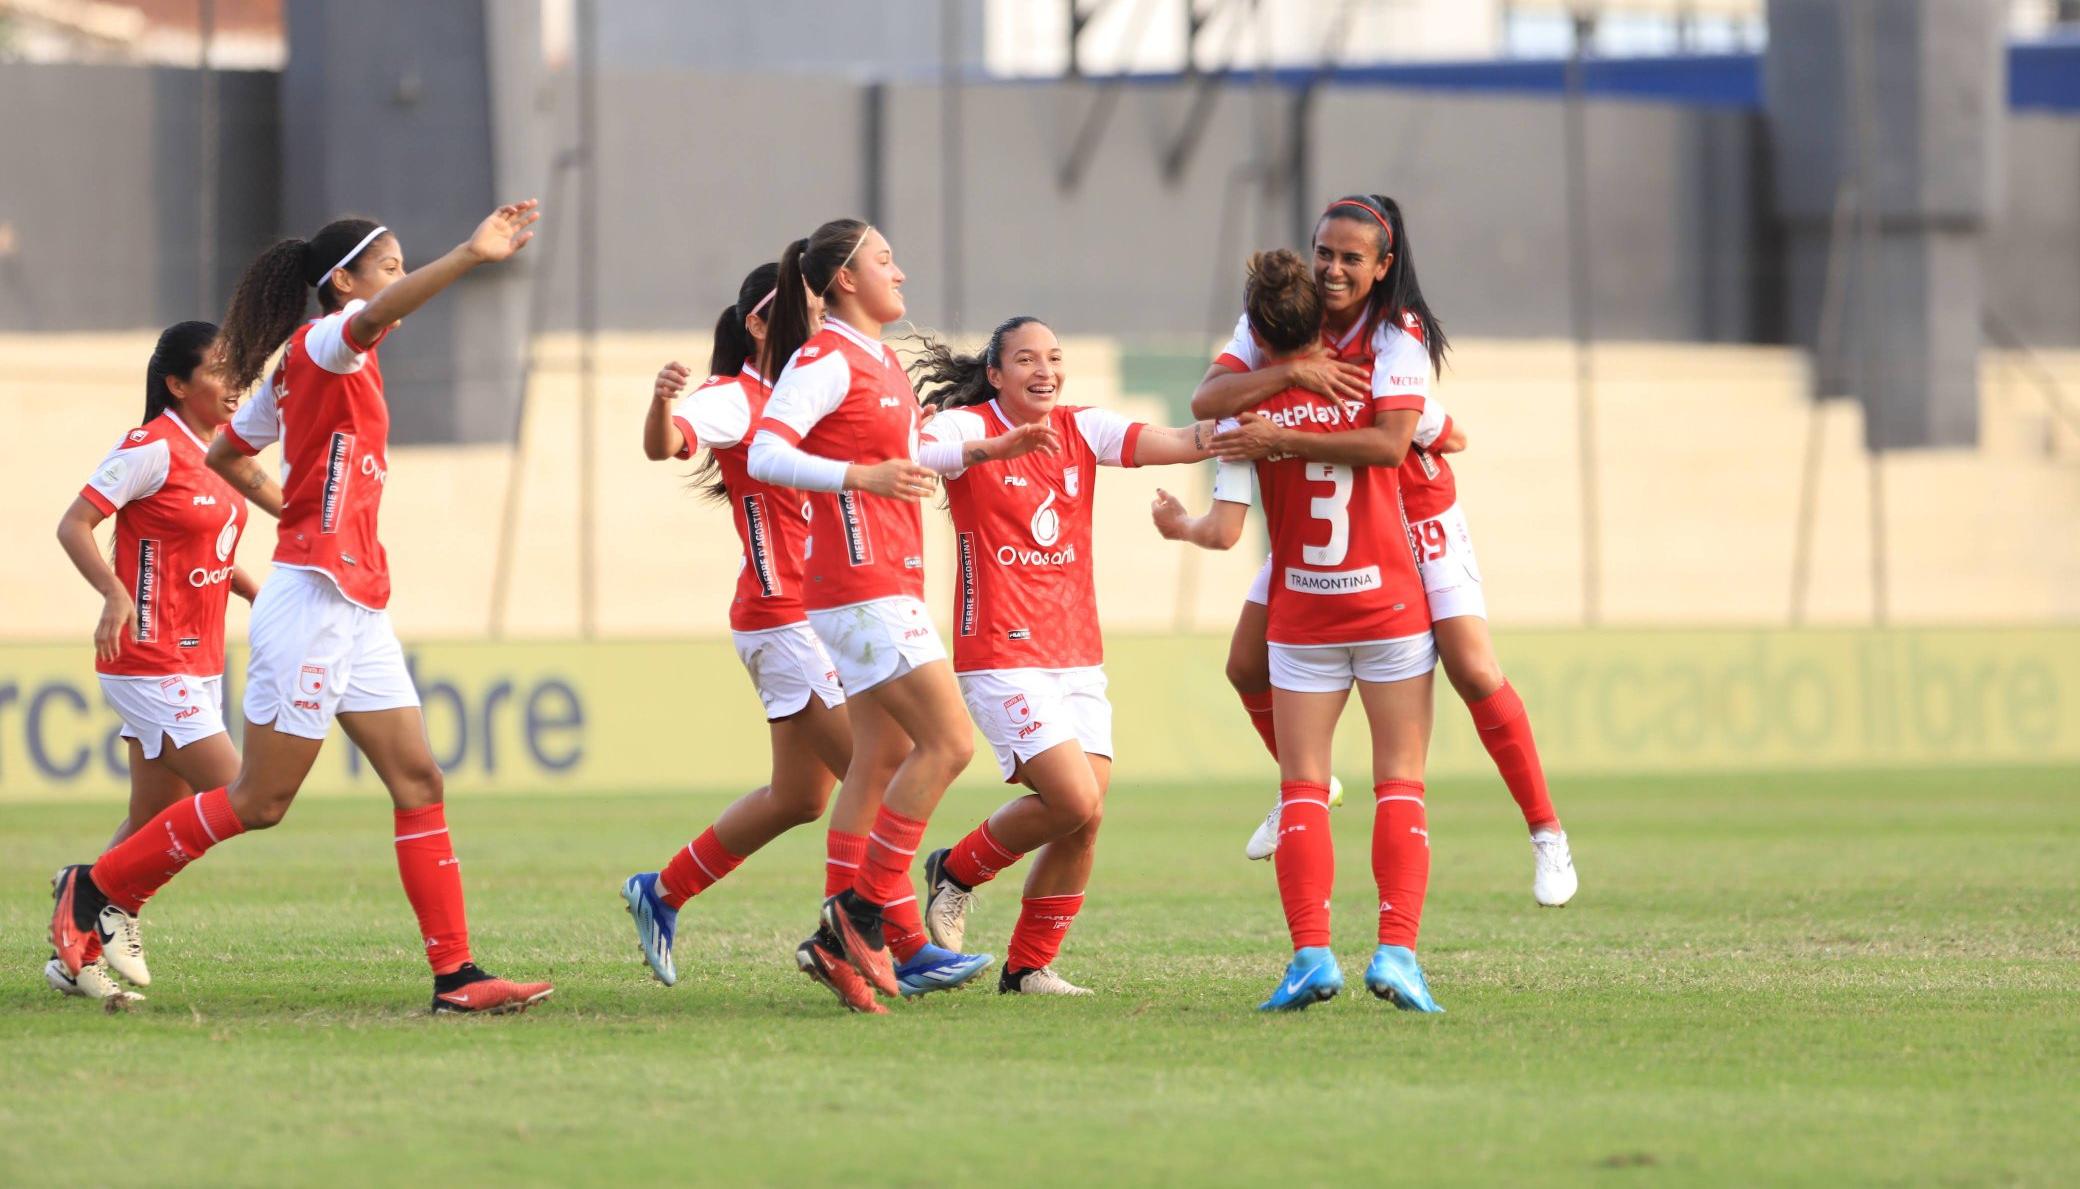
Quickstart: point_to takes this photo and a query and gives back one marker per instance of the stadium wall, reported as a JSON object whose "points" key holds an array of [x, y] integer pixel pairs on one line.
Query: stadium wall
{"points": [[678, 715]]}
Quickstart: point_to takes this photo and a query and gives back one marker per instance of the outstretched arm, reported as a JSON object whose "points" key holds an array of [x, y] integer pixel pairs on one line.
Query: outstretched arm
{"points": [[1384, 443], [246, 474], [502, 233], [1160, 445]]}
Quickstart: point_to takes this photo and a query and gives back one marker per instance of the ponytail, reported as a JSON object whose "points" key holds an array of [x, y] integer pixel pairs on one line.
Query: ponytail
{"points": [[734, 348], [950, 380], [1399, 294], [809, 265], [181, 349], [268, 304]]}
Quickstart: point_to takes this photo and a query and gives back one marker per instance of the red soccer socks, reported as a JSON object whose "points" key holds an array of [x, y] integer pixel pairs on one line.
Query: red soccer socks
{"points": [[155, 852], [1400, 859], [1306, 861]]}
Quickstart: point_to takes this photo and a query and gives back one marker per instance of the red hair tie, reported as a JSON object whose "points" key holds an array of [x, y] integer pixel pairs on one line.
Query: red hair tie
{"points": [[1367, 208]]}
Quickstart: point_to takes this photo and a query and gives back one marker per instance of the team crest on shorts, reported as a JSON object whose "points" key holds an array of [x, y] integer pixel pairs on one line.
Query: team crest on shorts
{"points": [[312, 679], [175, 691], [1072, 479], [1017, 707]]}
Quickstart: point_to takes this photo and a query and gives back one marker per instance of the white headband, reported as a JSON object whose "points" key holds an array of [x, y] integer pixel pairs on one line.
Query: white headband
{"points": [[349, 257], [864, 233]]}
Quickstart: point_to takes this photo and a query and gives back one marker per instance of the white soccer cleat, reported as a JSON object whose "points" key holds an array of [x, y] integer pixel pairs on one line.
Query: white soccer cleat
{"points": [[1263, 843], [946, 904], [1553, 880], [1043, 981], [122, 946], [92, 983]]}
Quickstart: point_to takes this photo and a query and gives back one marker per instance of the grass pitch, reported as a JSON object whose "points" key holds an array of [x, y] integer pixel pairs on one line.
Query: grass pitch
{"points": [[1766, 979]]}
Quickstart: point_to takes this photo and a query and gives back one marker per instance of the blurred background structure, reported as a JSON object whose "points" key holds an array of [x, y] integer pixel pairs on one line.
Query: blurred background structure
{"points": [[1766, 313]]}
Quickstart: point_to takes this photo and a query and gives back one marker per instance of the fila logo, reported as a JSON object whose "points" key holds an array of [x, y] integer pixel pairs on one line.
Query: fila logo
{"points": [[891, 402], [811, 352], [1015, 481], [202, 501], [138, 435]]}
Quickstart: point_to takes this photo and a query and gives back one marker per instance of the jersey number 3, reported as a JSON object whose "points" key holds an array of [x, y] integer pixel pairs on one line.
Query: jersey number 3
{"points": [[1335, 508]]}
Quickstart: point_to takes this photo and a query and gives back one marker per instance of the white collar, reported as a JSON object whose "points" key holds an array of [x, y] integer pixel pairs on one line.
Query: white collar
{"points": [[870, 346], [174, 417]]}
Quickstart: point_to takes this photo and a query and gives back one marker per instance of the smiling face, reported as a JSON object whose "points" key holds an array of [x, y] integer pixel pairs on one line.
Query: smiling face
{"points": [[379, 265], [1348, 262], [870, 286], [1029, 375], [204, 399]]}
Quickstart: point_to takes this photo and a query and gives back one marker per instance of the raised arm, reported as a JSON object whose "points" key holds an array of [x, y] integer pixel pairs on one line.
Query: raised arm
{"points": [[118, 613], [244, 472], [662, 437], [502, 233], [1218, 528], [1161, 445]]}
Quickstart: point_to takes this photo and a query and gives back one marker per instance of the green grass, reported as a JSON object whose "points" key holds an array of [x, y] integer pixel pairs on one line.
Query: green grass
{"points": [[1808, 979]]}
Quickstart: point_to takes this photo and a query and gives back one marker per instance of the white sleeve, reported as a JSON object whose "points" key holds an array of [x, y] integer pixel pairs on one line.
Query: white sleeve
{"points": [[129, 473], [258, 421], [774, 459], [806, 393], [1234, 483], [1431, 425], [1400, 370], [1242, 347], [1110, 435], [718, 414], [944, 435], [331, 345]]}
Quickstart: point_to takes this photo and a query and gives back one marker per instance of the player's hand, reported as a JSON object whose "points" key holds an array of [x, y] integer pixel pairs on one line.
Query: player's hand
{"points": [[1252, 438], [118, 623], [1169, 515], [504, 231], [1023, 440], [671, 381], [1318, 371], [897, 478]]}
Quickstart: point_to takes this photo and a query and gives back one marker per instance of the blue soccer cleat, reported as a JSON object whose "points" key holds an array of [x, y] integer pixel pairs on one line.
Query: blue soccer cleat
{"points": [[656, 924], [937, 969], [1395, 977], [1312, 977]]}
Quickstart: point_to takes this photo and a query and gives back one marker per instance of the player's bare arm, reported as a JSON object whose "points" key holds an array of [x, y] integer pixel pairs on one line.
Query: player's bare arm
{"points": [[1384, 443], [1162, 445], [247, 475], [1226, 393], [502, 233], [662, 437], [118, 612], [1217, 529]]}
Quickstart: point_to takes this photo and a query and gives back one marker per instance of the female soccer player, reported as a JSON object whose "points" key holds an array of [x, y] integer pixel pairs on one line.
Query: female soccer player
{"points": [[794, 677], [323, 646], [1026, 645], [1366, 275], [159, 648], [842, 425], [1345, 605]]}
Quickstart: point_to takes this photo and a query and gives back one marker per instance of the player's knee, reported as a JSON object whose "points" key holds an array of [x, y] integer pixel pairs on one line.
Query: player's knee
{"points": [[420, 785], [262, 811], [951, 754], [799, 807]]}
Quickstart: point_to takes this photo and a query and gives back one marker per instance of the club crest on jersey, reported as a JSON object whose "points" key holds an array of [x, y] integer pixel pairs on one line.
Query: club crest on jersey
{"points": [[1072, 480], [311, 680], [138, 435]]}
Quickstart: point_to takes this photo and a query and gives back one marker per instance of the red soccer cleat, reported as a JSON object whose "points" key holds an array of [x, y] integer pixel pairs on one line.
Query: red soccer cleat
{"points": [[820, 960], [856, 926], [75, 898], [471, 992]]}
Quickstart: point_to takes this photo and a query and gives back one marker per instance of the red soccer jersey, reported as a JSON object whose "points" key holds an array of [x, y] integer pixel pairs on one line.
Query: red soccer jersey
{"points": [[1341, 569], [1022, 540], [844, 395], [177, 530], [325, 404], [1400, 366], [772, 522]]}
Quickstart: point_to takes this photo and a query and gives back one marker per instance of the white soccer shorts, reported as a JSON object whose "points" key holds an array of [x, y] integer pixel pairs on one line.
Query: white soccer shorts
{"points": [[1023, 712], [1330, 668], [788, 665], [877, 640], [155, 709], [1444, 557], [316, 655], [1260, 586]]}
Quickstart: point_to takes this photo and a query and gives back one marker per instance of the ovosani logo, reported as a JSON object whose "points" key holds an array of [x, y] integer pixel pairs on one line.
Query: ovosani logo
{"points": [[1047, 526]]}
